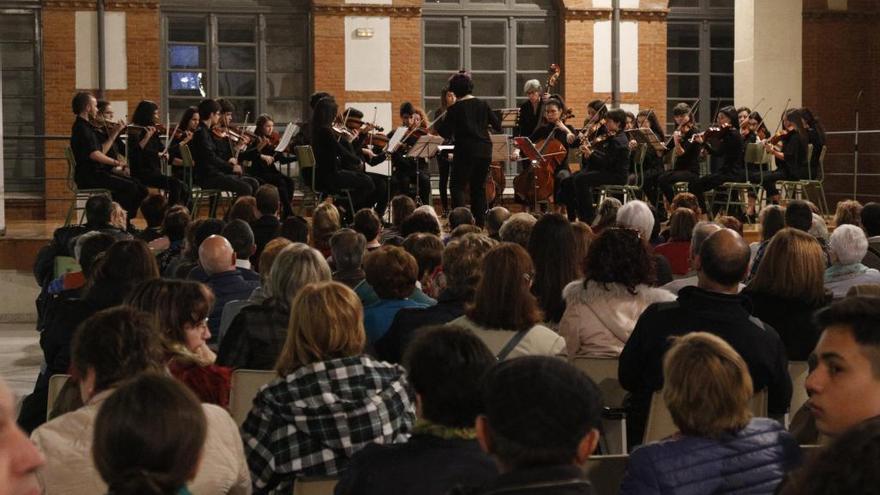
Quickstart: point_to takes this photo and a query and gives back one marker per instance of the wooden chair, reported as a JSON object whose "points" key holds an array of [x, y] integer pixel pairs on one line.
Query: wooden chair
{"points": [[245, 386], [78, 194], [603, 371], [323, 485], [660, 424], [197, 194], [56, 383], [306, 157], [606, 472]]}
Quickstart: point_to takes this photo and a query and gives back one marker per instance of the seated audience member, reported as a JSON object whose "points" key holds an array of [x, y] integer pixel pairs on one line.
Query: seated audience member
{"points": [[713, 306], [124, 265], [427, 249], [606, 214], [153, 209], [677, 246], [20, 461], [326, 220], [348, 248], [848, 465], [113, 346], [788, 288], [583, 237], [343, 399], [197, 232], [729, 222], [505, 314], [149, 437], [637, 215], [392, 273], [217, 258], [257, 333], [848, 247], [819, 229], [541, 423], [267, 257], [602, 309], [459, 216], [267, 226], [848, 212], [445, 366], [518, 229], [462, 230], [85, 251], [174, 227], [420, 221], [367, 223], [494, 220], [296, 229], [241, 238], [402, 206], [701, 231], [180, 313], [798, 215], [719, 445], [772, 220], [551, 247], [871, 223], [461, 265], [245, 209]]}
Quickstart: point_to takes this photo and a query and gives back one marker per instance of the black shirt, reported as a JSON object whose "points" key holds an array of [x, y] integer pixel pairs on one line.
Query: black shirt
{"points": [[529, 118], [330, 157], [730, 152], [145, 161], [818, 142], [690, 159], [468, 122], [83, 141], [611, 155], [208, 160], [794, 163]]}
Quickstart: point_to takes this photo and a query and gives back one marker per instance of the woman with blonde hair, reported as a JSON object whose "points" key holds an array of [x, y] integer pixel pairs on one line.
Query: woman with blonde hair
{"points": [[255, 336], [720, 447], [325, 221], [849, 212], [329, 401], [788, 288]]}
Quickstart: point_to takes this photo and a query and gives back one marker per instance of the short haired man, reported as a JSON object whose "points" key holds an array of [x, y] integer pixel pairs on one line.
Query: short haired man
{"points": [[713, 306], [402, 207], [532, 110], [444, 366], [268, 226], [153, 209], [367, 222], [348, 248], [702, 230], [241, 238], [495, 219], [460, 216], [541, 423], [844, 385], [217, 258]]}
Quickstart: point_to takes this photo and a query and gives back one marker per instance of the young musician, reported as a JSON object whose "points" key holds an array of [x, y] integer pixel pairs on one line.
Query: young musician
{"points": [[467, 121], [652, 167], [405, 170], [214, 170], [754, 129], [361, 147], [104, 127], [554, 128], [686, 152], [337, 166], [263, 168], [597, 122], [606, 162], [728, 153], [816, 133], [444, 158], [531, 110], [742, 116], [233, 143], [186, 128], [145, 154], [791, 159], [94, 169]]}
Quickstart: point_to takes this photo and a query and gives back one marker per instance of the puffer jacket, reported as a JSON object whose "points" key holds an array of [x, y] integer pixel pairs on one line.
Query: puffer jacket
{"points": [[598, 319], [751, 461]]}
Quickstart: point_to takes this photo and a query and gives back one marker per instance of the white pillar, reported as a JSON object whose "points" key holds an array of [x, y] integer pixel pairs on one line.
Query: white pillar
{"points": [[768, 60]]}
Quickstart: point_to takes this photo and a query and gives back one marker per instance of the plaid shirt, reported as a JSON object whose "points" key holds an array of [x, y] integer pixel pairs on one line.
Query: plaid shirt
{"points": [[311, 422]]}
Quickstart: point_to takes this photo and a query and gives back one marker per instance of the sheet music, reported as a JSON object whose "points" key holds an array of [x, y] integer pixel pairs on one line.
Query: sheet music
{"points": [[508, 117], [396, 138], [383, 168], [289, 131], [645, 135], [500, 147]]}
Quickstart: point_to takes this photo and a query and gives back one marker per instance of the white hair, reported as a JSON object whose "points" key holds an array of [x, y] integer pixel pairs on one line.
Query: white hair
{"points": [[818, 229], [531, 85], [849, 244], [637, 215], [430, 209]]}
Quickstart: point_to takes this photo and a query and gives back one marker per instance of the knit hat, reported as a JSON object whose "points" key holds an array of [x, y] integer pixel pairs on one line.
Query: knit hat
{"points": [[531, 85]]}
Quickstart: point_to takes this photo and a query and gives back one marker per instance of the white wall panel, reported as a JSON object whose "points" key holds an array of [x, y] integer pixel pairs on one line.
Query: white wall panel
{"points": [[115, 56], [629, 57], [368, 60]]}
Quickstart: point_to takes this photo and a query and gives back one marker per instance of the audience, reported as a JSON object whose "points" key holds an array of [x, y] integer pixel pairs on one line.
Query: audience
{"points": [[702, 230], [197, 232], [720, 444], [713, 306], [606, 214], [149, 437], [325, 221], [110, 348], [518, 229], [268, 225], [342, 399], [20, 461], [86, 249], [420, 221], [267, 257], [348, 248], [583, 236], [676, 249], [638, 215], [798, 215], [772, 220], [732, 223], [241, 237], [819, 229], [295, 229], [788, 288], [460, 216], [402, 206], [445, 366], [505, 314], [849, 212], [153, 209], [180, 315], [552, 249], [257, 333], [494, 220], [462, 230], [366, 222], [602, 309], [848, 248], [427, 249], [392, 273], [217, 258], [871, 223], [244, 208], [541, 423], [174, 228], [461, 265]]}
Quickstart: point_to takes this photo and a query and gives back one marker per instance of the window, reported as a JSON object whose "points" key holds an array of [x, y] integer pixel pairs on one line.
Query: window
{"points": [[699, 56], [258, 62], [22, 99]]}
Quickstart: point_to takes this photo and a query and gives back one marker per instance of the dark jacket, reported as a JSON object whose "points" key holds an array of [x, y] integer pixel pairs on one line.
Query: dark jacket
{"points": [[198, 274], [208, 160], [255, 337], [265, 228], [791, 318], [725, 315], [227, 286], [548, 480], [468, 122], [610, 156], [728, 157], [529, 118], [408, 321], [752, 460], [424, 465], [62, 244]]}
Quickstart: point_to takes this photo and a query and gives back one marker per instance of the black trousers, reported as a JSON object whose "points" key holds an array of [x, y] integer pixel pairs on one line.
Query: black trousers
{"points": [[360, 184], [126, 191], [667, 181], [178, 193], [285, 185], [584, 182], [444, 165], [238, 185], [403, 181], [710, 182], [380, 193], [770, 180], [470, 171]]}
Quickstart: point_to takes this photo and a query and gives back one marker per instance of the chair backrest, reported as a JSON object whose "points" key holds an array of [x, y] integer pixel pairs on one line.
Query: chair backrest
{"points": [[188, 164], [606, 472], [245, 386], [604, 373], [660, 424], [71, 168], [65, 264], [230, 311], [305, 155], [798, 371], [822, 159], [810, 173], [638, 162], [314, 486], [56, 383], [755, 153]]}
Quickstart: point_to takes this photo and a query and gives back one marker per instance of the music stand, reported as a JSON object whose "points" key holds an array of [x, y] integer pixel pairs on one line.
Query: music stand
{"points": [[425, 147], [645, 135], [509, 117]]}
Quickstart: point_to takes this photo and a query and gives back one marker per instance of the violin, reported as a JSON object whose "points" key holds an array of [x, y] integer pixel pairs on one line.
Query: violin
{"points": [[361, 126], [778, 137], [377, 139], [714, 132]]}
